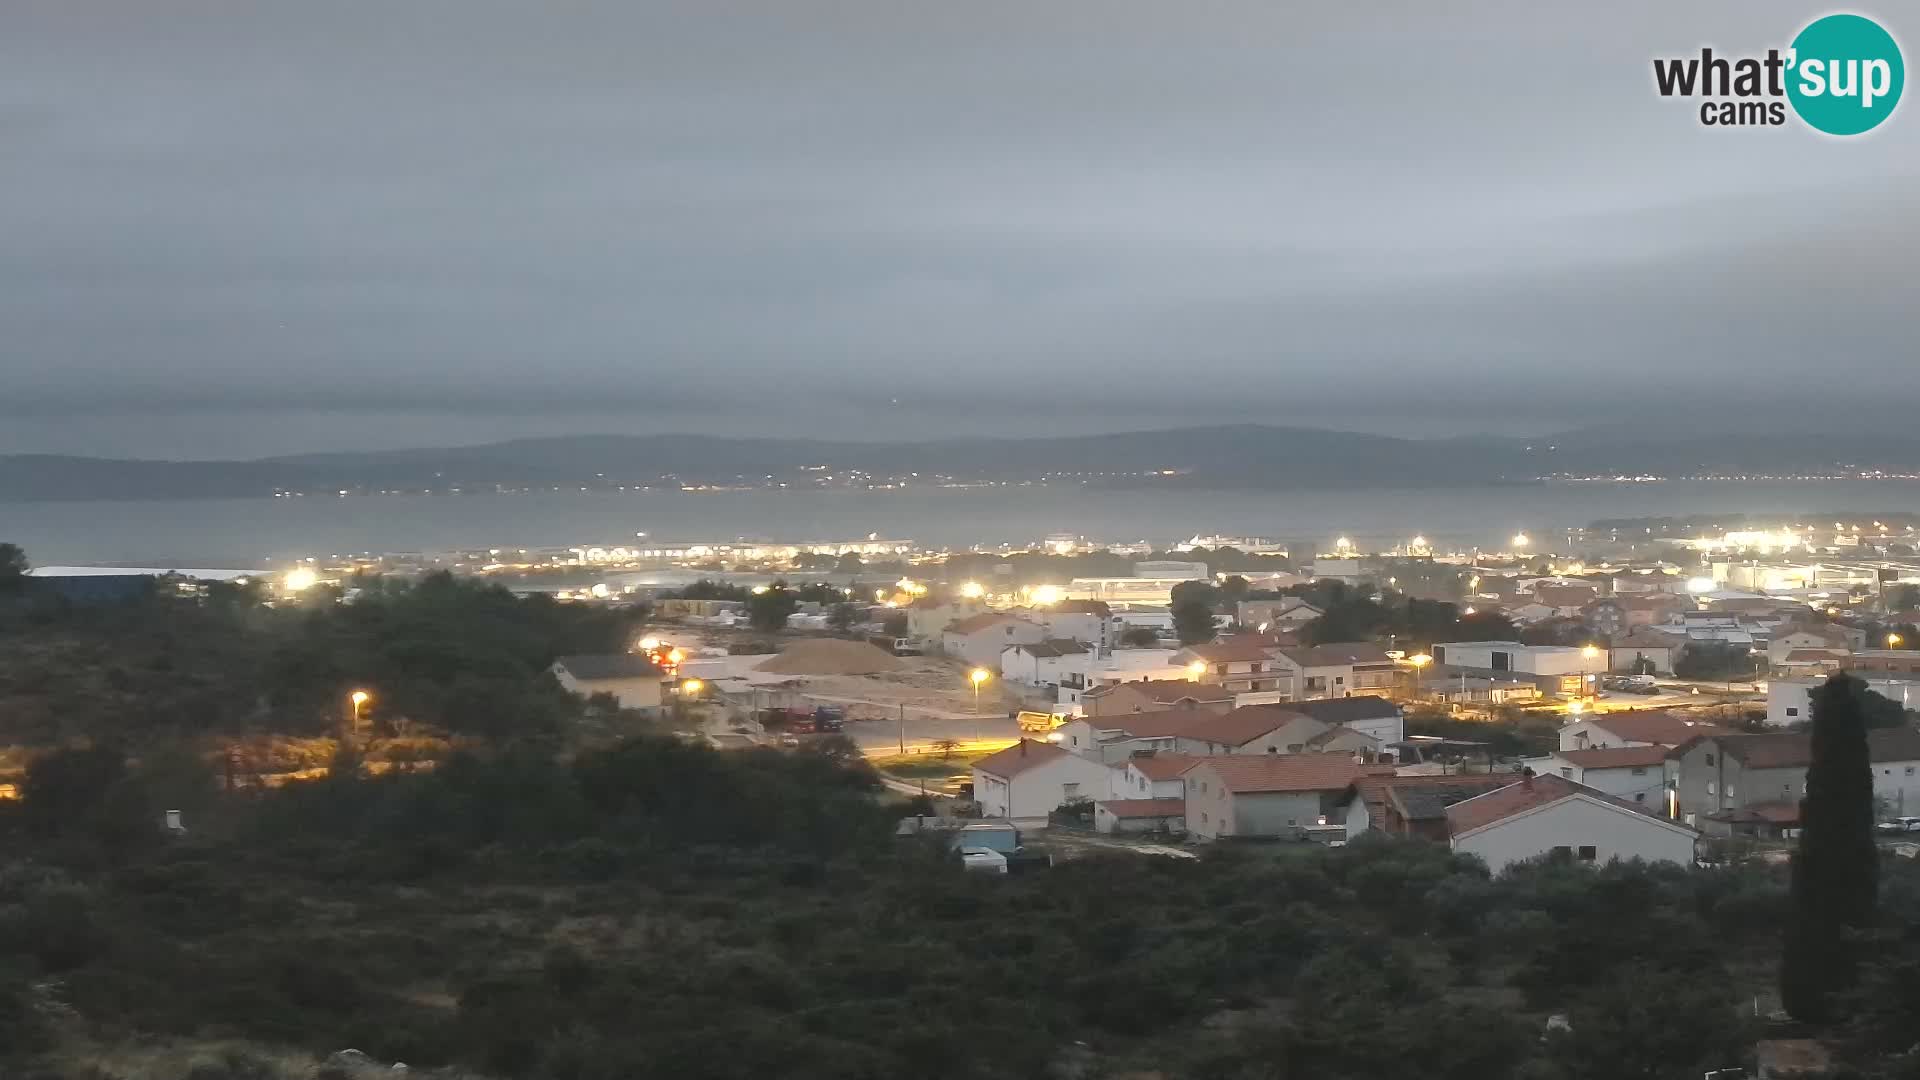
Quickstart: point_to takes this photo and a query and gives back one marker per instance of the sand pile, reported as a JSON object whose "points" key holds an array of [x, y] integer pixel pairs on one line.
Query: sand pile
{"points": [[830, 656]]}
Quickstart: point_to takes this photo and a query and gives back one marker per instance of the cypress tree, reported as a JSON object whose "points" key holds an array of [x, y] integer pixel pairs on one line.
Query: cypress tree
{"points": [[1836, 872]]}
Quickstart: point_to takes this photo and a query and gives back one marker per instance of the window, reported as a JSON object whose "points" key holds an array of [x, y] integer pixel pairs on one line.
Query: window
{"points": [[1562, 851], [1273, 749], [1909, 770], [1709, 759], [1203, 817], [1640, 772], [1071, 791], [1339, 680], [1793, 711], [1729, 791], [1710, 790], [1568, 773], [1588, 853], [1639, 796]]}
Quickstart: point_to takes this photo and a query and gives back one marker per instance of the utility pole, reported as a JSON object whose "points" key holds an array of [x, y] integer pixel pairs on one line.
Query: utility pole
{"points": [[903, 729]]}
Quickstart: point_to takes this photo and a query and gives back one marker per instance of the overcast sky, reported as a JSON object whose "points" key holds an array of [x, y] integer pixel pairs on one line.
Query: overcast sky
{"points": [[256, 227]]}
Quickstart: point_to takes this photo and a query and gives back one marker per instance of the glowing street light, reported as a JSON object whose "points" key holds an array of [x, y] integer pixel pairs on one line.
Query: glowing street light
{"points": [[760, 590], [1197, 669], [1894, 640], [356, 706], [1419, 662], [1520, 541], [1045, 595], [1576, 707], [300, 580], [973, 590], [648, 644], [977, 677], [691, 688]]}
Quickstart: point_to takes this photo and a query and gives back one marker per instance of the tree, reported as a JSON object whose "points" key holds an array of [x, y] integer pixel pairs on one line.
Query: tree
{"points": [[1139, 637], [770, 610], [1193, 622], [946, 748], [843, 616], [1836, 872], [1196, 592], [13, 568]]}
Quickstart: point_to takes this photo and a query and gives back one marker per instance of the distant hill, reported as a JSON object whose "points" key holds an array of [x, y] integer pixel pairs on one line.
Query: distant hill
{"points": [[1247, 457]]}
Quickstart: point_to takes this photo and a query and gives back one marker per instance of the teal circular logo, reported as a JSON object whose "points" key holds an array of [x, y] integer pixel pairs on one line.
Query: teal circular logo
{"points": [[1846, 74]]}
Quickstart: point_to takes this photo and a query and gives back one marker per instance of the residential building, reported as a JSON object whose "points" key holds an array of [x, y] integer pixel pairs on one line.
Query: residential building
{"points": [[632, 678], [1902, 663], [1029, 780], [1566, 601], [1713, 774], [928, 621], [1045, 663], [1636, 728], [1827, 637], [1551, 815], [1120, 699], [1371, 715], [1153, 775], [1257, 729], [1243, 664], [1089, 622], [1140, 815], [1286, 613], [1119, 666], [1636, 774], [980, 639], [1268, 795], [1789, 697], [1411, 805], [1617, 615], [1338, 670], [1643, 647], [1117, 738]]}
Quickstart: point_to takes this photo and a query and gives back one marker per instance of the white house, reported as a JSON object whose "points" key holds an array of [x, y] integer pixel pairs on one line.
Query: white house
{"points": [[1029, 780], [1115, 738], [1088, 622], [1648, 728], [1784, 641], [1268, 795], [1788, 700], [1551, 815], [1368, 714], [631, 678], [1046, 663], [1337, 669], [1642, 646], [1636, 774], [1152, 776], [980, 639]]}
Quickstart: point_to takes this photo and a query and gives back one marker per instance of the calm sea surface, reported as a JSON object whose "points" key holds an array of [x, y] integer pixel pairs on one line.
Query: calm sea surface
{"points": [[248, 532]]}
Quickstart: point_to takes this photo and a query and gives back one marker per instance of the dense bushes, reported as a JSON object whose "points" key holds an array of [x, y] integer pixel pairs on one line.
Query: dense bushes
{"points": [[654, 909]]}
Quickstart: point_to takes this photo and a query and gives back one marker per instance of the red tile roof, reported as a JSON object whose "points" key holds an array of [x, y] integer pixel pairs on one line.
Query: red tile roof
{"points": [[1373, 789], [1237, 649], [1794, 749], [1144, 808], [1159, 767], [1177, 689], [1338, 654], [1245, 774], [1018, 758], [1623, 757], [974, 623], [1247, 723], [1660, 728], [1523, 795], [1081, 607], [1152, 723]]}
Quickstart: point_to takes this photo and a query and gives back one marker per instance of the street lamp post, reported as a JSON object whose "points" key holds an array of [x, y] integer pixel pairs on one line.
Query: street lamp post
{"points": [[977, 676], [356, 702], [1419, 662]]}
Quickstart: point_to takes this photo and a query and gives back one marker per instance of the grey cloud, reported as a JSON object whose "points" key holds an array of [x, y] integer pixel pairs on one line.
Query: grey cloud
{"points": [[272, 227]]}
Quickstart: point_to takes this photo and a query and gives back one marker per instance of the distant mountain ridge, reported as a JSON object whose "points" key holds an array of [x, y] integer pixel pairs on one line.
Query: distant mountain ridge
{"points": [[1229, 457]]}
